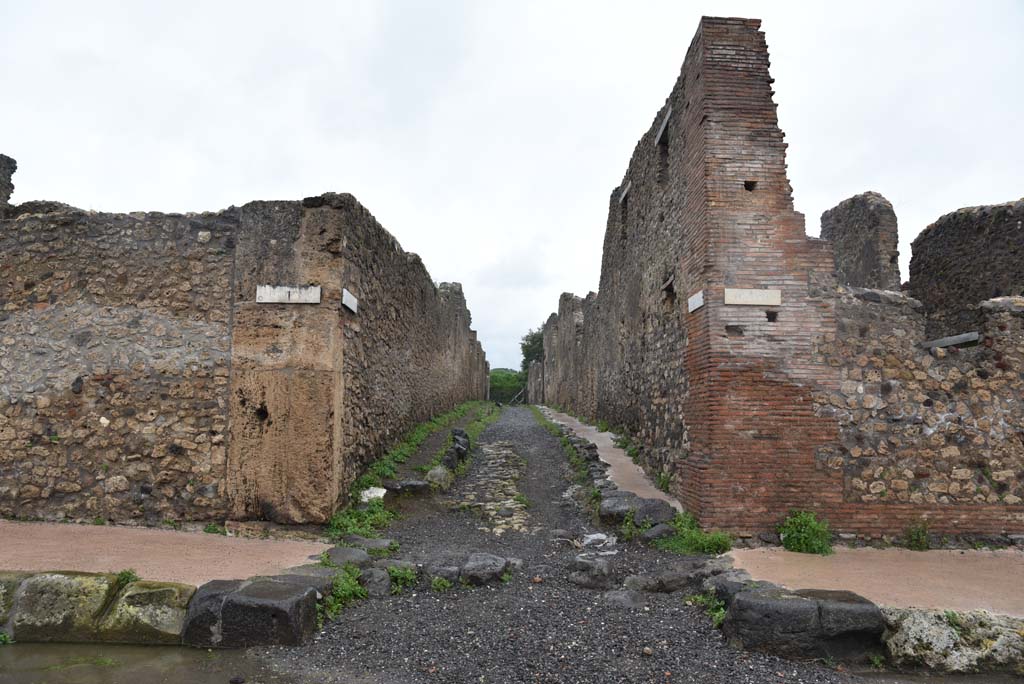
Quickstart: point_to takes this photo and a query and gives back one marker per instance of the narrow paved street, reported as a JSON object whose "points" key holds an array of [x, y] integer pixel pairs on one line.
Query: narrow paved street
{"points": [[537, 627]]}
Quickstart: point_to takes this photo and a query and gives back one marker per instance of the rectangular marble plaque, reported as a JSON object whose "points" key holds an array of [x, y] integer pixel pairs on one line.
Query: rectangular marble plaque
{"points": [[695, 301], [753, 297], [349, 301], [284, 294]]}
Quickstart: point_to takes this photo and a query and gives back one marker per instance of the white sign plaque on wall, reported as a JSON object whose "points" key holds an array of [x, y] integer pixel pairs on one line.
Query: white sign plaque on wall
{"points": [[695, 301], [349, 301], [753, 297], [284, 294]]}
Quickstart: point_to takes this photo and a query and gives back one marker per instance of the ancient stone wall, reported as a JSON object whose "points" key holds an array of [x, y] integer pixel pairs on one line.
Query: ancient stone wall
{"points": [[964, 258], [934, 433], [114, 362], [7, 169], [721, 339], [864, 237], [140, 378]]}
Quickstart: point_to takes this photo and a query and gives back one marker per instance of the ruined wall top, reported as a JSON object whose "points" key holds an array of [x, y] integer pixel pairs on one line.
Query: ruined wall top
{"points": [[966, 257], [7, 168], [863, 232]]}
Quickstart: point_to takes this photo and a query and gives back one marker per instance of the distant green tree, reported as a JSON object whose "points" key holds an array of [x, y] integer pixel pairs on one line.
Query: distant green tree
{"points": [[533, 348], [506, 384]]}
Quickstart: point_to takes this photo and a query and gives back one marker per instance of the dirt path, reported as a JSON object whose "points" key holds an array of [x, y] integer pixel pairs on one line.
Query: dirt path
{"points": [[528, 630]]}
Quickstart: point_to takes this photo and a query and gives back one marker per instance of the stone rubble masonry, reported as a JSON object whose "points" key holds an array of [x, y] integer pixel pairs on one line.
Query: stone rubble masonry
{"points": [[824, 402], [964, 258], [141, 382], [864, 237], [7, 168]]}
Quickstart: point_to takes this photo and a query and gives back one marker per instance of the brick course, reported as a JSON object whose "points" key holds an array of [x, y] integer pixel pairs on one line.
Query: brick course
{"points": [[737, 403]]}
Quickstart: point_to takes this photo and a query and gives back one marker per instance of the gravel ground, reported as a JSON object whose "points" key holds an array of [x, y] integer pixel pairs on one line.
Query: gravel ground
{"points": [[524, 630]]}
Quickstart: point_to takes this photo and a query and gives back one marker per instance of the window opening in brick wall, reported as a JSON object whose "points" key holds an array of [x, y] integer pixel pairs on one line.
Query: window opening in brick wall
{"points": [[749, 185], [772, 316]]}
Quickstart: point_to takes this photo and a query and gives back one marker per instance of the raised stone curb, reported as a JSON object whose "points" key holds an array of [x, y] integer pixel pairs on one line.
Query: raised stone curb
{"points": [[86, 607], [804, 624]]}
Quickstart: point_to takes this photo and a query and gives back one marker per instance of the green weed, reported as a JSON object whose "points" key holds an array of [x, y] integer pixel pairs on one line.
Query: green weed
{"points": [[954, 621], [915, 537], [401, 577], [663, 481], [214, 528], [521, 500], [126, 577], [629, 530], [689, 538], [713, 606], [804, 533], [440, 585], [4, 639], [345, 589], [365, 522], [877, 661]]}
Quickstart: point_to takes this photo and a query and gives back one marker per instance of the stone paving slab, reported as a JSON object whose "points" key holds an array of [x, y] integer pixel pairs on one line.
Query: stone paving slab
{"points": [[165, 555], [900, 578]]}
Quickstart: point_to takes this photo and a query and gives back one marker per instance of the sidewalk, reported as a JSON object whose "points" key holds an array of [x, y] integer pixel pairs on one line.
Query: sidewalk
{"points": [[900, 578], [155, 554]]}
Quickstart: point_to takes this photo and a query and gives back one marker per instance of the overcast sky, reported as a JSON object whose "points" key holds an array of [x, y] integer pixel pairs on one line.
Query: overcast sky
{"points": [[487, 136]]}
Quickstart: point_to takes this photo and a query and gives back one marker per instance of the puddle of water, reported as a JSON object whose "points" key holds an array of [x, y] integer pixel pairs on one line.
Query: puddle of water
{"points": [[113, 664]]}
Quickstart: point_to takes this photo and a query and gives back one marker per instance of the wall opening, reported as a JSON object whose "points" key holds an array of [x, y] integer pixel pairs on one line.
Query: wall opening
{"points": [[772, 316], [734, 330], [749, 185]]}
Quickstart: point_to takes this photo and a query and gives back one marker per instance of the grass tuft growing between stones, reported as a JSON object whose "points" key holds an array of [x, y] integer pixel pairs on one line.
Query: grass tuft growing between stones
{"points": [[364, 522], [713, 606], [345, 589], [804, 533], [689, 538], [629, 530], [126, 577], [401, 577], [214, 528], [5, 639], [440, 585]]}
